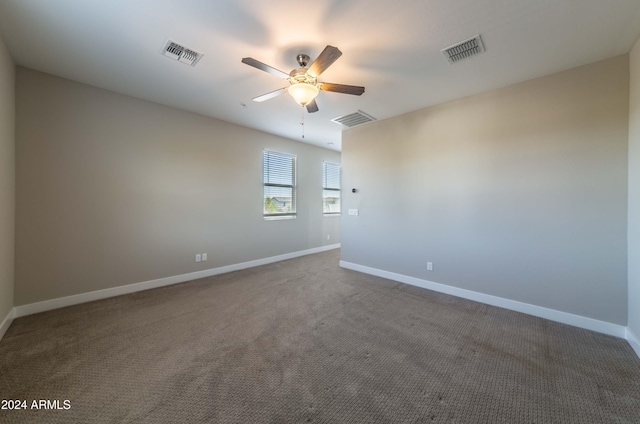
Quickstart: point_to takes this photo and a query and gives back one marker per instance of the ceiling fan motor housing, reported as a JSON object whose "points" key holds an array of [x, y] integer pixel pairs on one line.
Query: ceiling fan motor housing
{"points": [[300, 75]]}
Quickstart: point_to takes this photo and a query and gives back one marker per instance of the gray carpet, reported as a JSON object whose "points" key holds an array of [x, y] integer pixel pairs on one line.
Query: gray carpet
{"points": [[303, 341]]}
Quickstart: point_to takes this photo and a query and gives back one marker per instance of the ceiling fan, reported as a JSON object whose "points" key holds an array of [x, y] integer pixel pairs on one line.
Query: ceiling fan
{"points": [[303, 81]]}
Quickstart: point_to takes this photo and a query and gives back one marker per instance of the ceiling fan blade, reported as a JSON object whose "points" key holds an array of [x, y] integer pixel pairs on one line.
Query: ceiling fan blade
{"points": [[312, 106], [264, 67], [341, 88], [270, 95], [329, 55]]}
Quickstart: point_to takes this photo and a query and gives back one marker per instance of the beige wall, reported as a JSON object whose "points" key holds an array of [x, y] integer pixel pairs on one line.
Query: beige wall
{"points": [[634, 193], [7, 180], [519, 193], [112, 190]]}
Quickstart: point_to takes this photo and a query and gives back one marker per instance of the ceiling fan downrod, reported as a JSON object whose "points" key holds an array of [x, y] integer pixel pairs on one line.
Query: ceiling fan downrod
{"points": [[303, 60]]}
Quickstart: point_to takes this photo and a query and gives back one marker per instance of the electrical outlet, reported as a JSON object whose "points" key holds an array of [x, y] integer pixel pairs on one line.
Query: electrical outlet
{"points": [[198, 257], [328, 236], [204, 256], [429, 266]]}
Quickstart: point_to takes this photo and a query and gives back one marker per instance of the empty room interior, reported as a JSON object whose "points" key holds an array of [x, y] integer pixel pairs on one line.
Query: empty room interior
{"points": [[332, 211]]}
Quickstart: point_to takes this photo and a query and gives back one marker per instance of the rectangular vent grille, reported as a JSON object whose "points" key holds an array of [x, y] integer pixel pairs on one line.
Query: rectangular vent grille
{"points": [[464, 49], [181, 53], [353, 119]]}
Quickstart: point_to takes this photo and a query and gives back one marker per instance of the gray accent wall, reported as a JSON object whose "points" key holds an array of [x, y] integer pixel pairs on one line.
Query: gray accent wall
{"points": [[112, 190], [7, 180], [520, 192], [634, 193]]}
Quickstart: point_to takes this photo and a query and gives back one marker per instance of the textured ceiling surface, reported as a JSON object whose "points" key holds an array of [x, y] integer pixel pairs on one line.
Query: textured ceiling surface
{"points": [[393, 48]]}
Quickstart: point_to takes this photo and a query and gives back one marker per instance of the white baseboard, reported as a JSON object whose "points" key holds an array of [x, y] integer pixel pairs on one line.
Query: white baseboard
{"points": [[538, 311], [6, 322], [61, 302], [634, 341]]}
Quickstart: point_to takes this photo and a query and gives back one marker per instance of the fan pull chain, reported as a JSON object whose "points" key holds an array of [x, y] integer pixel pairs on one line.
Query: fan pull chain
{"points": [[302, 121]]}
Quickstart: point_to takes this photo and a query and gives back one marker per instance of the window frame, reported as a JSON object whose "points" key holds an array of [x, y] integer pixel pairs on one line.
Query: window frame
{"points": [[292, 186], [326, 188]]}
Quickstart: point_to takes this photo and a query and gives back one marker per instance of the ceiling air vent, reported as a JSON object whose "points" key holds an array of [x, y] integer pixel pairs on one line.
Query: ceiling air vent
{"points": [[351, 120], [464, 49], [181, 53]]}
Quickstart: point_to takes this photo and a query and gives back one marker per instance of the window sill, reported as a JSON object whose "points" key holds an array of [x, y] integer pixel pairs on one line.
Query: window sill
{"points": [[278, 217]]}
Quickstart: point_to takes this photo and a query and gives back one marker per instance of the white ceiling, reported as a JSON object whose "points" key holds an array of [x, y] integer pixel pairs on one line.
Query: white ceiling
{"points": [[390, 47]]}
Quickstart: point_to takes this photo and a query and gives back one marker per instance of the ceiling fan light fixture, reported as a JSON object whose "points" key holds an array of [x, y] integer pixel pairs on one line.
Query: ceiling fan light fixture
{"points": [[303, 93]]}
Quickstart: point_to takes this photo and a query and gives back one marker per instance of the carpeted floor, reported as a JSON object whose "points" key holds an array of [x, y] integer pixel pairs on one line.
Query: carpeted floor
{"points": [[304, 341]]}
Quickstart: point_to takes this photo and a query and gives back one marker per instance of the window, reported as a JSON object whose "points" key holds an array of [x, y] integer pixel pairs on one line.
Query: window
{"points": [[279, 180], [330, 188]]}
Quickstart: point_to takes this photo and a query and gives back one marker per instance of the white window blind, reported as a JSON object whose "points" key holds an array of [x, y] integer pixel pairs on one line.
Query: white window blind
{"points": [[279, 180], [330, 188]]}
